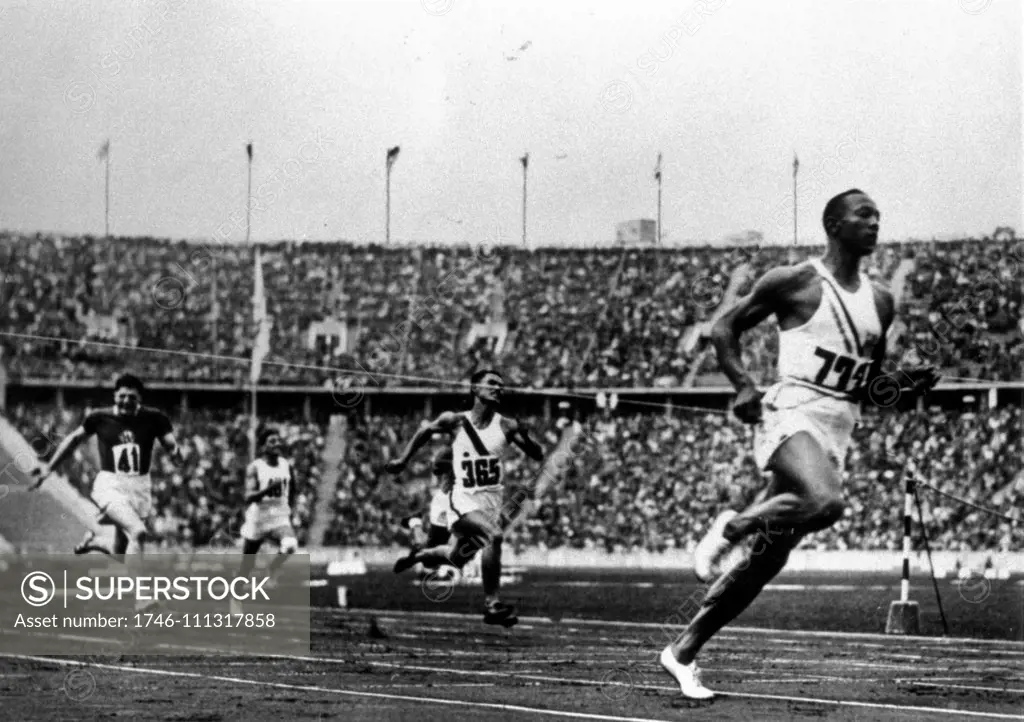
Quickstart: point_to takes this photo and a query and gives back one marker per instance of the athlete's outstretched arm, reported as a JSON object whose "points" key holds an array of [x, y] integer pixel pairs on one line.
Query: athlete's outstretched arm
{"points": [[762, 301], [442, 424], [518, 435], [171, 445], [64, 449]]}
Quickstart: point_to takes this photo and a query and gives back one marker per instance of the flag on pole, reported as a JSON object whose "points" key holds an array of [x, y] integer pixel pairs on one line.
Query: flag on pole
{"points": [[248, 150], [261, 348], [796, 164], [525, 160], [657, 169], [104, 150], [392, 156]]}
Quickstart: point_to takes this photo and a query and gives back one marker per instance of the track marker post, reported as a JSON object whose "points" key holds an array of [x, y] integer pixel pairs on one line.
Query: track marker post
{"points": [[904, 615]]}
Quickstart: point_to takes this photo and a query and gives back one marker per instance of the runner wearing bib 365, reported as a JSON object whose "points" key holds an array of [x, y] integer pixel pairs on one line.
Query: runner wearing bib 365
{"points": [[482, 436]]}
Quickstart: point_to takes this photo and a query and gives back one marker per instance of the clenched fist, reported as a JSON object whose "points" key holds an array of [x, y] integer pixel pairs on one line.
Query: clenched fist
{"points": [[747, 406]]}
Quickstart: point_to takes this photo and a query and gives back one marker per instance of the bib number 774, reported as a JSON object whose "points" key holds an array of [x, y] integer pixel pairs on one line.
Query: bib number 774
{"points": [[851, 374]]}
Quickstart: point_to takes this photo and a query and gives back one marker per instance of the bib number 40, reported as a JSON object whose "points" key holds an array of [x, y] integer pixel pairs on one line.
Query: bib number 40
{"points": [[851, 374], [481, 472]]}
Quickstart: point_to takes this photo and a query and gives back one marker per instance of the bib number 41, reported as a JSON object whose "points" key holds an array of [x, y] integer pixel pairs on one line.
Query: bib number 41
{"points": [[126, 458]]}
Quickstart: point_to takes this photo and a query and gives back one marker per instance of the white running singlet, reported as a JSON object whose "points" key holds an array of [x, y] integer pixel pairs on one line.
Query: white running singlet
{"points": [[821, 363], [477, 454], [831, 352], [272, 509]]}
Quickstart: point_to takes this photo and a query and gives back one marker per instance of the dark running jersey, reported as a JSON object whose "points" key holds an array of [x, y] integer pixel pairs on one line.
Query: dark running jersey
{"points": [[126, 442]]}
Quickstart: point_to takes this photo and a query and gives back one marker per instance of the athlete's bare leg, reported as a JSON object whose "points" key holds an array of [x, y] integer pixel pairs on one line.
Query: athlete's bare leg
{"points": [[130, 537], [120, 545], [250, 548], [470, 533], [734, 591], [279, 559], [490, 570], [802, 472], [129, 541], [811, 499], [91, 542]]}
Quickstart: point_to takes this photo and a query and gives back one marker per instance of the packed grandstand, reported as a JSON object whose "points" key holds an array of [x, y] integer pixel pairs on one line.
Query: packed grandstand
{"points": [[76, 311]]}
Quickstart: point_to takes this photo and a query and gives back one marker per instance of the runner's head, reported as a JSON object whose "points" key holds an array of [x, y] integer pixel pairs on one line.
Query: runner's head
{"points": [[851, 220], [488, 386], [127, 394], [270, 442], [442, 464]]}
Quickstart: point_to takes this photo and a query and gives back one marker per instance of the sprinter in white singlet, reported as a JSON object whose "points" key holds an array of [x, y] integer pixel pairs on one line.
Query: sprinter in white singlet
{"points": [[832, 327], [269, 499], [481, 438]]}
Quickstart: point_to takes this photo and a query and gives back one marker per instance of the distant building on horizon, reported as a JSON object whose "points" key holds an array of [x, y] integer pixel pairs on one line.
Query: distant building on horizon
{"points": [[640, 232]]}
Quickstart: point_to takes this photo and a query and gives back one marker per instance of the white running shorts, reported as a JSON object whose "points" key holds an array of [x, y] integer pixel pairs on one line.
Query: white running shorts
{"points": [[130, 496], [441, 513], [789, 409]]}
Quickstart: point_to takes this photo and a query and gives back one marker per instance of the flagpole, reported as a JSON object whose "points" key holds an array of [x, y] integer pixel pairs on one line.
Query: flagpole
{"points": [[657, 177], [659, 209], [387, 199], [525, 161], [252, 396], [248, 204], [389, 160], [259, 261], [796, 169], [106, 193]]}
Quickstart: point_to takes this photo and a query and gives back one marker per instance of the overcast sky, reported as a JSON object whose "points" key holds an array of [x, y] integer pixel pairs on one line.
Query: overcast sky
{"points": [[918, 102]]}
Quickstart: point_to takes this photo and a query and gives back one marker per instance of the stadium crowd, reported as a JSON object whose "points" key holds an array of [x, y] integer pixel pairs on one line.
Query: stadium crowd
{"points": [[637, 480], [82, 308], [85, 308]]}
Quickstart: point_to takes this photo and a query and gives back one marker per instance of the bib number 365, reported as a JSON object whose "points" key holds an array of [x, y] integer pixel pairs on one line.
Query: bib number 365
{"points": [[481, 472]]}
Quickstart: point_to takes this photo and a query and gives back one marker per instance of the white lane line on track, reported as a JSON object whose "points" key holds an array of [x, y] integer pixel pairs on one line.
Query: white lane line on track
{"points": [[558, 680], [940, 641], [744, 695], [767, 588], [330, 690], [816, 677], [922, 683], [531, 677], [826, 587], [431, 684], [633, 585]]}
